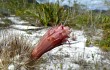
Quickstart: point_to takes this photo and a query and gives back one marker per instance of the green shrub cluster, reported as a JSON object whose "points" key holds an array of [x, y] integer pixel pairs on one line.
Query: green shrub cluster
{"points": [[105, 42], [51, 14]]}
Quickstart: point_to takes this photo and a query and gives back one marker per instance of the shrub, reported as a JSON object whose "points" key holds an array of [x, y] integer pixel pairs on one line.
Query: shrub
{"points": [[50, 14]]}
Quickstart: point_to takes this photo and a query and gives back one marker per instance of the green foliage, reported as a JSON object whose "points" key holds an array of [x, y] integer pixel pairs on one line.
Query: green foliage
{"points": [[81, 19], [105, 42], [14, 6], [88, 43], [50, 14], [104, 19], [105, 25]]}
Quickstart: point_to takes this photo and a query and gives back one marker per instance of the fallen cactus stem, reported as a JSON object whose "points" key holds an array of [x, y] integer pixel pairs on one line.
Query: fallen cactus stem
{"points": [[54, 37]]}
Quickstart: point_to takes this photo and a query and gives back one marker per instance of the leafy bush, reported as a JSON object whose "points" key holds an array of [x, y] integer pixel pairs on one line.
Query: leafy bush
{"points": [[49, 14], [105, 42]]}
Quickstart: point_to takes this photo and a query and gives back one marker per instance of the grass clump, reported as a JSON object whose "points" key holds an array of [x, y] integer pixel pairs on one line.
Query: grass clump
{"points": [[49, 14], [16, 50], [105, 42], [52, 14]]}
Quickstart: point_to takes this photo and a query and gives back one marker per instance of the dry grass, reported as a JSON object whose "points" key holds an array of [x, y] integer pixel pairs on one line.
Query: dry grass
{"points": [[15, 49]]}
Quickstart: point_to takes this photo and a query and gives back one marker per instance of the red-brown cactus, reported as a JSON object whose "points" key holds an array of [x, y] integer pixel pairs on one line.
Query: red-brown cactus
{"points": [[51, 39]]}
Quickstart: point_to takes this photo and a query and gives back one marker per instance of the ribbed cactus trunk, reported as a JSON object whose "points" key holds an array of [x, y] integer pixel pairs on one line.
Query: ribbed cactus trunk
{"points": [[51, 39]]}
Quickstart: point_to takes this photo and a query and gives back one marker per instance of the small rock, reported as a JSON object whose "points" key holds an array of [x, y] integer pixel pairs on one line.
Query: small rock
{"points": [[11, 67]]}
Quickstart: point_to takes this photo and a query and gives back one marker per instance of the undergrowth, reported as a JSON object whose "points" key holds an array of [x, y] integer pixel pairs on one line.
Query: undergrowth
{"points": [[51, 14]]}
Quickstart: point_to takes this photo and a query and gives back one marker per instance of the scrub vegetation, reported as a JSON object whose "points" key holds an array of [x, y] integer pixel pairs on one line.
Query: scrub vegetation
{"points": [[51, 14], [95, 23]]}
